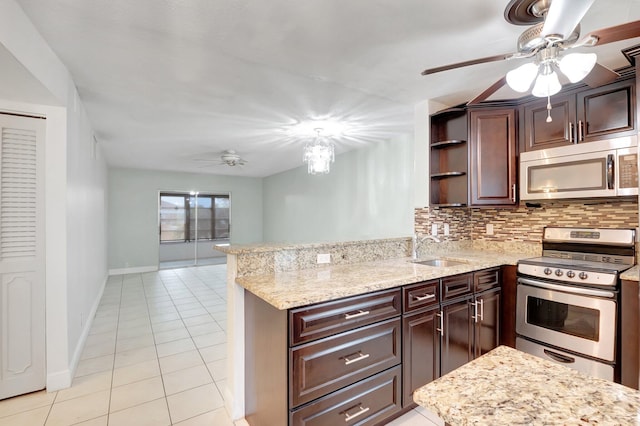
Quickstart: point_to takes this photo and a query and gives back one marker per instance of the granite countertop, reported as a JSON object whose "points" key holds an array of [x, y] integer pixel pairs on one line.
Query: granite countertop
{"points": [[270, 247], [285, 290], [509, 387], [632, 274]]}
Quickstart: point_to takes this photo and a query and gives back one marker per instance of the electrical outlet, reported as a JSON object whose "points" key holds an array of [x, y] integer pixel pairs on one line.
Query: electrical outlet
{"points": [[434, 229], [324, 258], [489, 228], [446, 229]]}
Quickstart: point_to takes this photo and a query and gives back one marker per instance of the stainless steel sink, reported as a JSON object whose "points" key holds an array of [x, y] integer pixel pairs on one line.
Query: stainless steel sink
{"points": [[441, 263]]}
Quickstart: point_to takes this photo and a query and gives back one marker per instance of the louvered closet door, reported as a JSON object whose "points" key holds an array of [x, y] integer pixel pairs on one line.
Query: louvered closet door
{"points": [[22, 289]]}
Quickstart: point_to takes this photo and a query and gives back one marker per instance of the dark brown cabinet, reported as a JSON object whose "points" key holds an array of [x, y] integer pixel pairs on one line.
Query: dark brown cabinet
{"points": [[420, 351], [492, 157], [487, 322], [457, 335], [585, 115], [358, 360]]}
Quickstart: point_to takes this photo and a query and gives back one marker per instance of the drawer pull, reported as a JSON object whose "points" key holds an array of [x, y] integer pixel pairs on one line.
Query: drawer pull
{"points": [[425, 297], [348, 417], [441, 329], [361, 356], [358, 315]]}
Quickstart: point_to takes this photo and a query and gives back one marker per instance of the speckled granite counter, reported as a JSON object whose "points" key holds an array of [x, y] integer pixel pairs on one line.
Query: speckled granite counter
{"points": [[632, 274], [292, 289], [509, 387]]}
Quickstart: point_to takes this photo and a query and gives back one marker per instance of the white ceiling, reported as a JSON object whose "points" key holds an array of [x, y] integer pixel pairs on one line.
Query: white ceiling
{"points": [[166, 82]]}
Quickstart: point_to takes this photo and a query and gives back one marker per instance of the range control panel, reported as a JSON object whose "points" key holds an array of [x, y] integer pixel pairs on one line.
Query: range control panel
{"points": [[569, 275]]}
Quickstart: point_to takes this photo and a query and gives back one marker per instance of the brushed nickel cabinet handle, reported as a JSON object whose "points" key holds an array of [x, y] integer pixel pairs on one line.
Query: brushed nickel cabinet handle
{"points": [[580, 131], [360, 357], [359, 314], [475, 311], [513, 192], [423, 298], [481, 309], [441, 329], [571, 138], [348, 417]]}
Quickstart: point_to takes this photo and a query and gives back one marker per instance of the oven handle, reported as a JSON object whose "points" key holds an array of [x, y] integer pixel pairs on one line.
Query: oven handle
{"points": [[568, 289], [559, 357]]}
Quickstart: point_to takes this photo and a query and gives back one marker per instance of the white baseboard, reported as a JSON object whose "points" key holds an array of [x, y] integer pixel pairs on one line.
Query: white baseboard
{"points": [[135, 270], [58, 380], [64, 382]]}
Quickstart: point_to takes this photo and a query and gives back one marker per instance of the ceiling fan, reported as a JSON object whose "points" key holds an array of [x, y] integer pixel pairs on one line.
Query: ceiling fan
{"points": [[555, 30], [227, 157]]}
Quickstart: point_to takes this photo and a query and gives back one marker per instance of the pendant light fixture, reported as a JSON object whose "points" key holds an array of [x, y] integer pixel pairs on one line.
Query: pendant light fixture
{"points": [[319, 154]]}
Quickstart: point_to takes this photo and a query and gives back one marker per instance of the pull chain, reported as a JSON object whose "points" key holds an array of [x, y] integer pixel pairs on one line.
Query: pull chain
{"points": [[549, 119]]}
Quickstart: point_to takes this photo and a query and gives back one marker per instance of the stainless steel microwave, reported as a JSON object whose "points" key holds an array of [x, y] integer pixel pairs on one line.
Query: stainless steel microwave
{"points": [[607, 168]]}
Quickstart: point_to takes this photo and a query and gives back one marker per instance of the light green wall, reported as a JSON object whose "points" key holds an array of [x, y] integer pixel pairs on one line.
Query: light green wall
{"points": [[368, 194], [133, 210]]}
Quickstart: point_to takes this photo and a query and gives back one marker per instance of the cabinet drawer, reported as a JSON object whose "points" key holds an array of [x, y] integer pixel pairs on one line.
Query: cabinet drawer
{"points": [[420, 295], [486, 280], [332, 363], [367, 402], [456, 286], [325, 319]]}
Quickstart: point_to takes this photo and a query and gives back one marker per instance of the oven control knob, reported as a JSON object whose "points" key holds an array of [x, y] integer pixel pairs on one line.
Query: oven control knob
{"points": [[571, 274], [583, 275], [558, 272], [547, 271]]}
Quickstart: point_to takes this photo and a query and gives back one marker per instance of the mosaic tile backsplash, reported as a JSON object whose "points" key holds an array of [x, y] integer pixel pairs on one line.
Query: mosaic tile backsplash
{"points": [[525, 224]]}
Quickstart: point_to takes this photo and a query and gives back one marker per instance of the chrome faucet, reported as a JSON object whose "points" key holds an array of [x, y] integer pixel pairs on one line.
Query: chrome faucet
{"points": [[415, 243]]}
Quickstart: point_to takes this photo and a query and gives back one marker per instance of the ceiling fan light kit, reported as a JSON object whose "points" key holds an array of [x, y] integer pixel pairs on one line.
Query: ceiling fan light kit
{"points": [[319, 154], [554, 27]]}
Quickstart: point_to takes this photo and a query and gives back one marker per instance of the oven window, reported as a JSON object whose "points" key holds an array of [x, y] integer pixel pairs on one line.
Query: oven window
{"points": [[564, 318]]}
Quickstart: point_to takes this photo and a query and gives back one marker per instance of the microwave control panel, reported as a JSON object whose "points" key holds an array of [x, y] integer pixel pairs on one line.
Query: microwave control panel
{"points": [[628, 169]]}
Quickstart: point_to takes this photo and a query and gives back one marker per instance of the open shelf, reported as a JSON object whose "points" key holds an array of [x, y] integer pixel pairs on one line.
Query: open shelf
{"points": [[446, 144], [447, 174]]}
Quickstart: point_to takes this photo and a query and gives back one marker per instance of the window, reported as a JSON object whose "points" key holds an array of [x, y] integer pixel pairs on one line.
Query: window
{"points": [[183, 216]]}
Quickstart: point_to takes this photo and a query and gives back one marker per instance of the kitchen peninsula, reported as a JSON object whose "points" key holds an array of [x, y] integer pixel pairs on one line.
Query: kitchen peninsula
{"points": [[509, 387], [340, 326]]}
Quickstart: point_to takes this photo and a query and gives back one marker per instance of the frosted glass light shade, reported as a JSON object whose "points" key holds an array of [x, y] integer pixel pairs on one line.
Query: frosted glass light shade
{"points": [[576, 66], [520, 79], [319, 154], [546, 85]]}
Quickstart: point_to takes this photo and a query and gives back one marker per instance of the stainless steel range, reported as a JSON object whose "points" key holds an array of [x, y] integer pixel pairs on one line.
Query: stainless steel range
{"points": [[567, 300]]}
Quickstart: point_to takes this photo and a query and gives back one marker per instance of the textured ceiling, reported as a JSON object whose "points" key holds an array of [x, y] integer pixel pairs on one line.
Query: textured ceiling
{"points": [[168, 82]]}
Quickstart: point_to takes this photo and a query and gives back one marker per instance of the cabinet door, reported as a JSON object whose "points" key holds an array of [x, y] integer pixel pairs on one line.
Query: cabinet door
{"points": [[420, 351], [606, 112], [540, 134], [457, 340], [487, 324], [493, 157]]}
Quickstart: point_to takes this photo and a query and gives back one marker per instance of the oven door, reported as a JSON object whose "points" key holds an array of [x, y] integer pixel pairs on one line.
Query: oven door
{"points": [[577, 319]]}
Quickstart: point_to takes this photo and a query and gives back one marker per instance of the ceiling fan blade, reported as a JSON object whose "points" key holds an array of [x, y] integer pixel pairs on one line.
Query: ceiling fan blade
{"points": [[489, 91], [600, 75], [563, 17], [467, 63], [617, 33]]}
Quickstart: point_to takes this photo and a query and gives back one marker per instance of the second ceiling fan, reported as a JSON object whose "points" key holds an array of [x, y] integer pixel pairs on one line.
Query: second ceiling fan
{"points": [[555, 29]]}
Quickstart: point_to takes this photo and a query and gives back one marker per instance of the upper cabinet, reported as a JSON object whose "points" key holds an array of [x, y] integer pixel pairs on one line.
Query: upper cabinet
{"points": [[492, 157], [582, 116], [448, 158]]}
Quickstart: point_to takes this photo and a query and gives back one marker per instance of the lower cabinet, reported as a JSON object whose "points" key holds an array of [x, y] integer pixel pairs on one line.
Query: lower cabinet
{"points": [[358, 360], [487, 324], [367, 402], [420, 351], [457, 334]]}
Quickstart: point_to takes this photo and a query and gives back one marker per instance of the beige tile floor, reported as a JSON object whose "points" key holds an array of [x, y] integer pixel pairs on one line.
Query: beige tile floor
{"points": [[155, 356]]}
